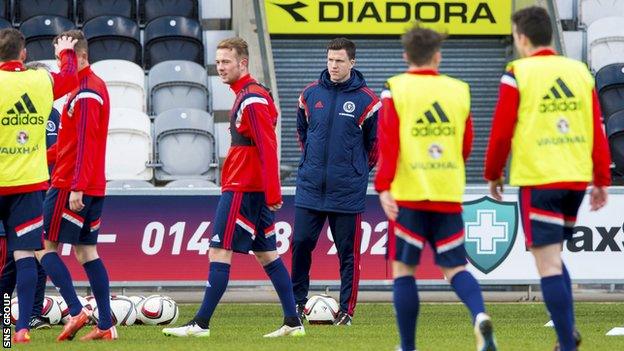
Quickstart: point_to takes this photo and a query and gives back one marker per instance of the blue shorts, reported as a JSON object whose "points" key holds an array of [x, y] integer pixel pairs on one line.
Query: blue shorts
{"points": [[243, 223], [548, 215], [21, 215], [62, 225], [443, 231]]}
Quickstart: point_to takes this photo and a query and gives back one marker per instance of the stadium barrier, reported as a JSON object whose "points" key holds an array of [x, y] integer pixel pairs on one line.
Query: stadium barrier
{"points": [[160, 237]]}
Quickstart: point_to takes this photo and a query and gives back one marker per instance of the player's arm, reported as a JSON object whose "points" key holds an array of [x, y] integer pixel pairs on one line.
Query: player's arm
{"points": [[503, 126], [87, 106], [51, 154], [369, 121], [601, 158], [468, 138], [262, 130], [388, 141], [302, 121], [67, 79]]}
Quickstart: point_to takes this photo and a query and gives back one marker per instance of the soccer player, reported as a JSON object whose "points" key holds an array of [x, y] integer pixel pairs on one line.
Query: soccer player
{"points": [[250, 194], [73, 205], [425, 136], [26, 98], [337, 129], [7, 272], [548, 115]]}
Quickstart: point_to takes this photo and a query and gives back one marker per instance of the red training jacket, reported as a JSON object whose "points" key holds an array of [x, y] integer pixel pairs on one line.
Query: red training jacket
{"points": [[251, 163], [80, 151]]}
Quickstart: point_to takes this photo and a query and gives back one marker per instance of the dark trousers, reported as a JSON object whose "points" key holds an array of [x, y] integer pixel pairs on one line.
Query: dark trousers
{"points": [[347, 233]]}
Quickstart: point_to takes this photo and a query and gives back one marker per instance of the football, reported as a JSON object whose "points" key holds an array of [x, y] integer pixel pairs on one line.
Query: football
{"points": [[51, 310], [137, 299], [14, 310], [321, 309], [158, 310], [123, 311]]}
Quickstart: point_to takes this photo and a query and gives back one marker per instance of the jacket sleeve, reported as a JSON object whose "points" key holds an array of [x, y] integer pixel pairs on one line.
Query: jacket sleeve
{"points": [[503, 127], [51, 154], [262, 130], [67, 79], [388, 135], [368, 122], [600, 153], [87, 107], [468, 138], [302, 121]]}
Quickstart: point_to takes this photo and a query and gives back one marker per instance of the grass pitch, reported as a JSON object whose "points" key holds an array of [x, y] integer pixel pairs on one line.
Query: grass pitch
{"points": [[441, 327]]}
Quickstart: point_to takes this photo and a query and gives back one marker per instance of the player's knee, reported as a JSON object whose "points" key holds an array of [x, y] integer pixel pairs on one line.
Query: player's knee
{"points": [[220, 255], [86, 253], [400, 269], [450, 272], [266, 257]]}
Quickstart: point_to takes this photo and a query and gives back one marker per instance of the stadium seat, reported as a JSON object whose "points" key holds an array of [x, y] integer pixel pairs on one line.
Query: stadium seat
{"points": [[129, 184], [174, 84], [39, 31], [152, 9], [185, 145], [615, 133], [606, 42], [216, 14], [25, 9], [125, 81], [4, 9], [88, 9], [129, 145], [610, 87], [113, 37], [592, 10], [173, 38], [191, 183], [4, 23]]}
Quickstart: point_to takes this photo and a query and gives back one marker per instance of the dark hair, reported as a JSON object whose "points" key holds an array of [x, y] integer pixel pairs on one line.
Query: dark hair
{"points": [[343, 43], [81, 44], [11, 44], [534, 22], [420, 44], [237, 44]]}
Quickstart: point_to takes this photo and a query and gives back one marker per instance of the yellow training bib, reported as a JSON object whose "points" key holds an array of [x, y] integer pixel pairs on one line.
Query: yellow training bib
{"points": [[553, 138], [25, 104], [432, 117]]}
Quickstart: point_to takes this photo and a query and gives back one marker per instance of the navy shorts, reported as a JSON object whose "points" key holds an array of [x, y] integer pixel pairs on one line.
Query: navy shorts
{"points": [[63, 225], [443, 231], [548, 215], [243, 223], [22, 217]]}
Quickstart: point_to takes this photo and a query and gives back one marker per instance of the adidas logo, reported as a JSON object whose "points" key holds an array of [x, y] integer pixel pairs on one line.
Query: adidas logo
{"points": [[22, 113], [215, 239], [558, 99], [319, 104], [429, 125]]}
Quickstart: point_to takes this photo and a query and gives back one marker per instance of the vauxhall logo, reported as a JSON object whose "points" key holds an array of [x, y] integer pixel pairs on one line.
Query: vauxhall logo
{"points": [[429, 125], [559, 99], [394, 11], [23, 112]]}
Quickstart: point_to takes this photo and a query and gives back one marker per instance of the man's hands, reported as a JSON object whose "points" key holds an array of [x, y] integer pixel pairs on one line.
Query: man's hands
{"points": [[64, 43], [276, 206], [598, 197], [390, 207], [75, 201], [497, 188]]}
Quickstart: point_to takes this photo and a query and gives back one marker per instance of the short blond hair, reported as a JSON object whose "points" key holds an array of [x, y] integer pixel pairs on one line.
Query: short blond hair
{"points": [[81, 44], [237, 44]]}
